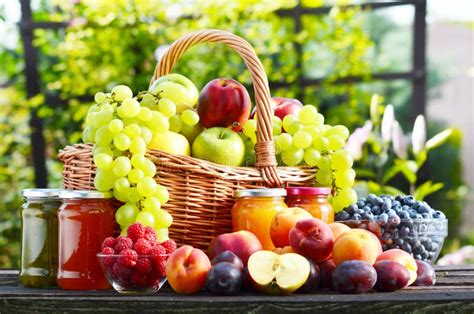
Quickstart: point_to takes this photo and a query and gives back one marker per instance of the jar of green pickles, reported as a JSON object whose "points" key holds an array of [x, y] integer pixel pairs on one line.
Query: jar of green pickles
{"points": [[39, 237]]}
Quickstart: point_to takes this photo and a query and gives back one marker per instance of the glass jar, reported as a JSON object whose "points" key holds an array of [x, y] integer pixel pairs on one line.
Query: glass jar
{"points": [[39, 237], [85, 218], [313, 200], [254, 210]]}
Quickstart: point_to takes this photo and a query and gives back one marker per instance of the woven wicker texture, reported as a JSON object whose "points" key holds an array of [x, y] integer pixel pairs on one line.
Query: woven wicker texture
{"points": [[201, 193]]}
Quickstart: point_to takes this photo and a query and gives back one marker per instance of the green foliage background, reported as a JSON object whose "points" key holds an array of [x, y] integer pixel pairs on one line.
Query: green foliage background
{"points": [[114, 42]]}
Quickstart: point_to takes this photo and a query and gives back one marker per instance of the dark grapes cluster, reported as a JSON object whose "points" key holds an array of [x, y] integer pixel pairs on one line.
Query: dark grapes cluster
{"points": [[400, 222]]}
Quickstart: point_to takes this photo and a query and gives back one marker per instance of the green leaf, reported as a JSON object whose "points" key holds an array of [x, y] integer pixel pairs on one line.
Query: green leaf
{"points": [[438, 140], [408, 172], [391, 172], [420, 158], [426, 189], [392, 190], [365, 173]]}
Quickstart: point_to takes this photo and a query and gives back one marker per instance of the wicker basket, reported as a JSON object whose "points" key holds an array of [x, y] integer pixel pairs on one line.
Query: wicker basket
{"points": [[201, 192]]}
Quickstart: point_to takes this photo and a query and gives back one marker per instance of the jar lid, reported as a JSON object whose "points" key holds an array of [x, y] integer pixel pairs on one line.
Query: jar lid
{"points": [[81, 194], [41, 193], [260, 193], [308, 191]]}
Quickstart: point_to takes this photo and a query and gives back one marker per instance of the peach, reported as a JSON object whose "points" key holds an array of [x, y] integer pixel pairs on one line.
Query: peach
{"points": [[283, 250], [282, 223], [312, 238], [403, 258], [186, 269], [338, 228], [356, 244], [242, 243]]}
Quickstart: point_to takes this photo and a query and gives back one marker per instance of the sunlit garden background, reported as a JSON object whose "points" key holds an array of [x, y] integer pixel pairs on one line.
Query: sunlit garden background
{"points": [[333, 54]]}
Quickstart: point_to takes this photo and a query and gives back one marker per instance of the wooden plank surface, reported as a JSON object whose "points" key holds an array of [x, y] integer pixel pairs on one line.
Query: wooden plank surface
{"points": [[454, 292]]}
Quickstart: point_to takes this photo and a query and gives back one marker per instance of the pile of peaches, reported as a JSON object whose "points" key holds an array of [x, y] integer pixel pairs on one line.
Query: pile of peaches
{"points": [[310, 255]]}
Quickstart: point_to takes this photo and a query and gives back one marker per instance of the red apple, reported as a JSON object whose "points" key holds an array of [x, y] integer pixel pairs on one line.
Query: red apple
{"points": [[283, 106], [225, 103]]}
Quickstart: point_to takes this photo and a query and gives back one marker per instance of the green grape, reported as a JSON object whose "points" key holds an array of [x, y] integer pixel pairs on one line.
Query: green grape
{"points": [[103, 136], [122, 184], [163, 219], [340, 130], [132, 130], [341, 160], [116, 153], [253, 138], [167, 107], [176, 124], [347, 196], [121, 166], [133, 195], [320, 143], [146, 186], [145, 218], [162, 234], [335, 142], [312, 157], [190, 117], [101, 150], [130, 108], [122, 196], [90, 118], [138, 146], [284, 141], [324, 163], [308, 115], [158, 123], [292, 156], [148, 100], [115, 126], [93, 108], [319, 119], [135, 175], [277, 121], [126, 214], [173, 91], [148, 168], [151, 204], [104, 180], [144, 114], [324, 177], [88, 135], [162, 194], [121, 141], [287, 121], [344, 178], [138, 161], [295, 126], [103, 161], [146, 134], [250, 127], [276, 130], [302, 139], [101, 118], [107, 108], [121, 92]]}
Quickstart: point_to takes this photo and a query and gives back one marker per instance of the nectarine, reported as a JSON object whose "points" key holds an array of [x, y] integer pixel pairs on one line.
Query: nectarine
{"points": [[403, 258], [242, 243], [338, 228], [356, 244], [282, 223], [312, 238]]}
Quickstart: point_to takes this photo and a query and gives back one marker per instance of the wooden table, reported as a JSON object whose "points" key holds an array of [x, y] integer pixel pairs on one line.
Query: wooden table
{"points": [[454, 291]]}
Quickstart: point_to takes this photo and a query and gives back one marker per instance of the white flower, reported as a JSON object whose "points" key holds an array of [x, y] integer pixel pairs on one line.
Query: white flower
{"points": [[418, 136], [387, 123], [398, 140], [357, 139], [374, 106]]}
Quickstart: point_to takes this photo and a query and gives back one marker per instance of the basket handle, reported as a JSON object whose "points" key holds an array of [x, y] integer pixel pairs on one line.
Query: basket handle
{"points": [[264, 148]]}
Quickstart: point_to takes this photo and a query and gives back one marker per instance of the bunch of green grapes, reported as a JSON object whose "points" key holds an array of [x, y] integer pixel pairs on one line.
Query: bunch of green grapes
{"points": [[304, 139], [121, 126]]}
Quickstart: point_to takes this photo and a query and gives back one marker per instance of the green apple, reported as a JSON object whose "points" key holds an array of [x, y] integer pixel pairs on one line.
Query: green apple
{"points": [[170, 142], [219, 145], [278, 274], [177, 88], [249, 158]]}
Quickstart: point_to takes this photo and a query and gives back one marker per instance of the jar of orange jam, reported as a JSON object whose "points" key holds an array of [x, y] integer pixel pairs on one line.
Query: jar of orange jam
{"points": [[254, 210], [313, 200], [85, 219]]}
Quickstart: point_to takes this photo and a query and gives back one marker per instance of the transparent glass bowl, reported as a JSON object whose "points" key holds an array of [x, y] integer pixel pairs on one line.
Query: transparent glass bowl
{"points": [[422, 238], [134, 279]]}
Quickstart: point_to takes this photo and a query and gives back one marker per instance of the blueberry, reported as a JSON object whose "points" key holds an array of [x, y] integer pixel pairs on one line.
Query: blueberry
{"points": [[399, 198], [397, 209], [377, 201], [342, 215], [356, 217], [387, 204], [351, 209], [368, 215], [359, 211], [424, 208], [395, 246], [399, 241], [360, 204], [416, 205], [406, 247], [426, 216], [404, 232], [394, 220], [366, 209], [406, 207], [439, 214], [382, 219], [404, 214], [391, 213], [417, 256], [395, 204], [418, 216], [412, 213], [370, 198], [384, 247], [425, 255], [409, 200], [376, 210]]}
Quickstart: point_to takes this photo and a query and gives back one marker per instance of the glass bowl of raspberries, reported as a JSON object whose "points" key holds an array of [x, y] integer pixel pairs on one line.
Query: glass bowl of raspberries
{"points": [[400, 222], [136, 263]]}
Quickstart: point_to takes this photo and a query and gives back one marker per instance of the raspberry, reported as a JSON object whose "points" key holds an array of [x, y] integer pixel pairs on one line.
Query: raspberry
{"points": [[142, 247], [136, 231], [143, 266], [157, 250], [108, 242], [108, 260], [120, 271], [169, 245], [138, 280], [159, 265], [128, 257], [108, 251], [150, 235], [123, 243]]}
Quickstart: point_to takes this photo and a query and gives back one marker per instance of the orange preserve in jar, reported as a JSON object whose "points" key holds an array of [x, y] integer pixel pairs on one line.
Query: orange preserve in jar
{"points": [[85, 219], [313, 200], [254, 210]]}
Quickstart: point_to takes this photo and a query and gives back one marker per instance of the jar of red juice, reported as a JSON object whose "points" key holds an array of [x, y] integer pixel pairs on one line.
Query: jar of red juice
{"points": [[313, 200], [85, 219]]}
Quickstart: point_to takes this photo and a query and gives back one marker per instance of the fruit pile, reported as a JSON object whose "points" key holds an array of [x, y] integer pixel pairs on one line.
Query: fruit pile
{"points": [[136, 261], [400, 222]]}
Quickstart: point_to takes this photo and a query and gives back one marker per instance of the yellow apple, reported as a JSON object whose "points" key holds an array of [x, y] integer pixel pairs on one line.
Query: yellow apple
{"points": [[171, 142]]}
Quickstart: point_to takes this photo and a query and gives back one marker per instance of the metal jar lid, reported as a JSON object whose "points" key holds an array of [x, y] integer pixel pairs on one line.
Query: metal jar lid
{"points": [[84, 194], [260, 193], [308, 191], [41, 193]]}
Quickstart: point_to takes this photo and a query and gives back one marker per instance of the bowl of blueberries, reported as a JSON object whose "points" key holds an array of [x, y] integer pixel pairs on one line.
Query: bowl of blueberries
{"points": [[399, 222]]}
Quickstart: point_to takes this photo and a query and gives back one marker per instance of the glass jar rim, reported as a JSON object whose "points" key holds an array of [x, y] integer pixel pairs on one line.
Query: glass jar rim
{"points": [[84, 194], [41, 193], [264, 192], [304, 190]]}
